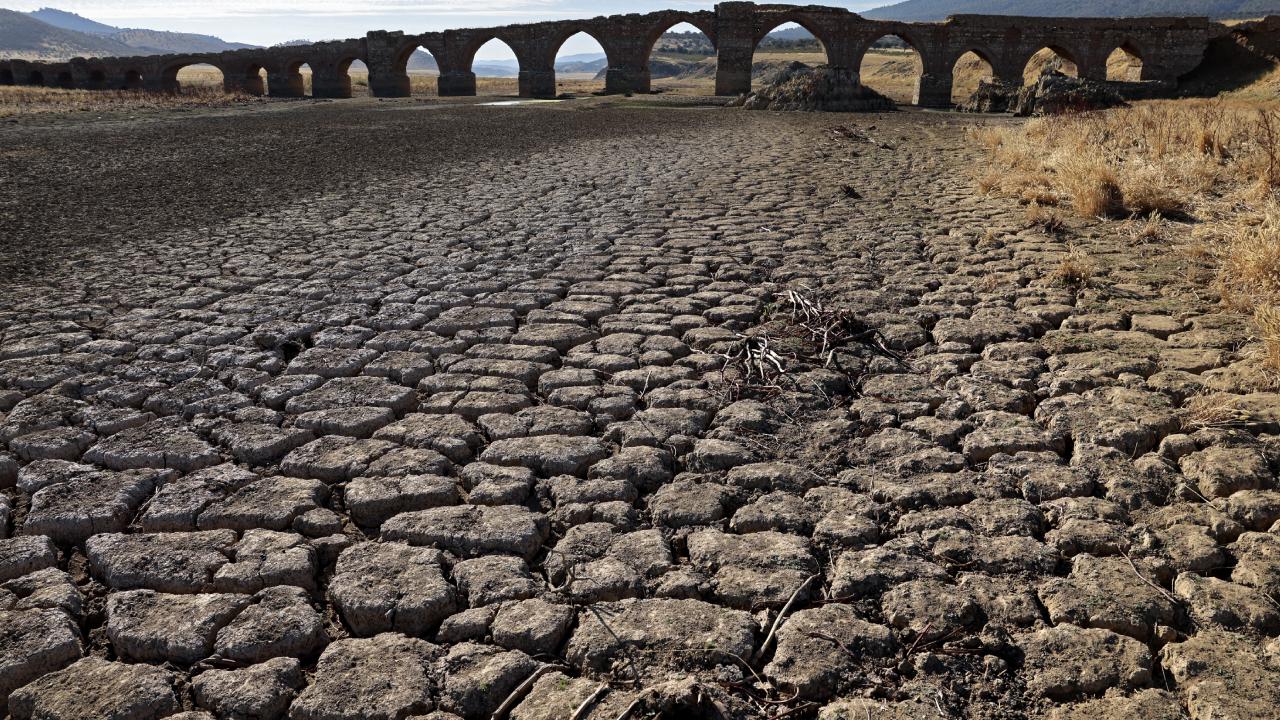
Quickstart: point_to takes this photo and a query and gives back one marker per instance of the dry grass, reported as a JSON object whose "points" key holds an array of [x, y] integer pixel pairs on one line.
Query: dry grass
{"points": [[1213, 410], [29, 100], [1267, 319], [1250, 261], [1075, 270], [1213, 166]]}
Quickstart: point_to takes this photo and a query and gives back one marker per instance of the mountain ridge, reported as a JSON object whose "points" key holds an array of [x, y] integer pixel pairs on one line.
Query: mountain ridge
{"points": [[52, 34]]}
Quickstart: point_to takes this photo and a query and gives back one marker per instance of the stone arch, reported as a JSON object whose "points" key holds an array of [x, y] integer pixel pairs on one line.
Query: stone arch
{"points": [[290, 81], [773, 22], [169, 75], [405, 65], [503, 85], [133, 79], [894, 77], [35, 77], [254, 79], [567, 33], [560, 39], [1067, 61], [64, 79], [663, 26], [654, 36], [6, 76], [336, 83], [1125, 63], [97, 78], [244, 76], [969, 68], [467, 56]]}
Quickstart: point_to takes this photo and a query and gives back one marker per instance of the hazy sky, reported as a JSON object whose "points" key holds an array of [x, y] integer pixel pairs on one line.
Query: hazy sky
{"points": [[265, 22]]}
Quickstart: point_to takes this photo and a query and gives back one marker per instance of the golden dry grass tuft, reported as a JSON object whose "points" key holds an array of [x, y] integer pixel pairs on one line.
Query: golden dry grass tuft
{"points": [[1267, 319], [1075, 270], [1203, 171], [1212, 410]]}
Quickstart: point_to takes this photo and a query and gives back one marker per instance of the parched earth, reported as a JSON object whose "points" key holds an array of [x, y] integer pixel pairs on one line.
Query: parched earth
{"points": [[383, 410]]}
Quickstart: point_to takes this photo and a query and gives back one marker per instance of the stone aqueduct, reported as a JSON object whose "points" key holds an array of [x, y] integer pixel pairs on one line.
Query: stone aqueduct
{"points": [[1168, 48]]}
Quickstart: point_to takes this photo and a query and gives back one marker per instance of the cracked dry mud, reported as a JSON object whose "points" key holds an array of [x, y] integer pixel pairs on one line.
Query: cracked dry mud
{"points": [[371, 410]]}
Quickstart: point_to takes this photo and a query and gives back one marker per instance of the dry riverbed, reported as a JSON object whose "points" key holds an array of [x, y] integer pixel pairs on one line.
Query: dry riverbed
{"points": [[367, 409]]}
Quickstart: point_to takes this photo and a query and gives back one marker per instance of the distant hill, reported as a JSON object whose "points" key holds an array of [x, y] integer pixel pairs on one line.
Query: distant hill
{"points": [[72, 21], [49, 34], [23, 36], [933, 10], [161, 42]]}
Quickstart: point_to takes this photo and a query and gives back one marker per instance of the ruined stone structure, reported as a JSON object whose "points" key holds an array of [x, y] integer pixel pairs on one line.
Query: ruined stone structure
{"points": [[1168, 48]]}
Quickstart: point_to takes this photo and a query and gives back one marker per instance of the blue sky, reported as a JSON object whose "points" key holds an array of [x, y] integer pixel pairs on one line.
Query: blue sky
{"points": [[265, 22]]}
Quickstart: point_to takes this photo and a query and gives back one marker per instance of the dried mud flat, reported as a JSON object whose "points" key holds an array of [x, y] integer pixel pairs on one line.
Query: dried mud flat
{"points": [[378, 410]]}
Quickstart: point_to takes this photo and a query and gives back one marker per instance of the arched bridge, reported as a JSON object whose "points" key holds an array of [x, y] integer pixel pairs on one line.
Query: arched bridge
{"points": [[1168, 48]]}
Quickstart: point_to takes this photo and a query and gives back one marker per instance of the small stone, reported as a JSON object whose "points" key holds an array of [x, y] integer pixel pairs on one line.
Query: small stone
{"points": [[818, 649], [385, 677], [164, 443], [471, 530], [389, 586], [258, 691], [1219, 471], [95, 688], [533, 626], [495, 578], [661, 629], [477, 678], [450, 435], [264, 558], [1065, 662], [22, 555], [34, 643], [279, 621], [548, 455], [71, 511], [150, 627], [372, 500], [177, 562], [1223, 603]]}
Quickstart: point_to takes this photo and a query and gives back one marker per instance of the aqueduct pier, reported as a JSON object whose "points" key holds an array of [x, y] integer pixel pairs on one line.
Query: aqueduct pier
{"points": [[1168, 48]]}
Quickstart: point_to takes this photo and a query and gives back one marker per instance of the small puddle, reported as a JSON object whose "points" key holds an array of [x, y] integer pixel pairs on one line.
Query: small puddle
{"points": [[508, 103]]}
